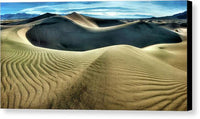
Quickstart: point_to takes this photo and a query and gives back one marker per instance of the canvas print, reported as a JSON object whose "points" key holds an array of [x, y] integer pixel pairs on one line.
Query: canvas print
{"points": [[96, 55]]}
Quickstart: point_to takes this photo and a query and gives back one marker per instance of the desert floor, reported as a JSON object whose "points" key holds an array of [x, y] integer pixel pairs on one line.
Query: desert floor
{"points": [[147, 71]]}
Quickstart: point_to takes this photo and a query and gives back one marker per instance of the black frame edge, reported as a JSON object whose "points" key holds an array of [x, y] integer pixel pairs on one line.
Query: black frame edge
{"points": [[189, 55]]}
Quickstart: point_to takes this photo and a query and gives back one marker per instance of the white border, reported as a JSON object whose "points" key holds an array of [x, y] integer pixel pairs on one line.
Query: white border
{"points": [[76, 114]]}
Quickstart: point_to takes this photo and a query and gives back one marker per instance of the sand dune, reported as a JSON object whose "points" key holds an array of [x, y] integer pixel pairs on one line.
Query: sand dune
{"points": [[94, 22], [64, 34], [174, 54], [114, 77], [79, 19]]}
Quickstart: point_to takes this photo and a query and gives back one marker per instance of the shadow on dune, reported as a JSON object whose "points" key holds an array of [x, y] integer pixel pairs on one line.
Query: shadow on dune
{"points": [[60, 33]]}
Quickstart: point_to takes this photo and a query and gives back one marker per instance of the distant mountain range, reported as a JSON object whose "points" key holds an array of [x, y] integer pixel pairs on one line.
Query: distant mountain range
{"points": [[27, 16], [182, 15], [18, 16]]}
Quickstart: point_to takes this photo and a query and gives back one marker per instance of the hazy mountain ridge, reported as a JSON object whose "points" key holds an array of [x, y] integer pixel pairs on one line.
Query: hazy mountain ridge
{"points": [[27, 16], [18, 16], [182, 15]]}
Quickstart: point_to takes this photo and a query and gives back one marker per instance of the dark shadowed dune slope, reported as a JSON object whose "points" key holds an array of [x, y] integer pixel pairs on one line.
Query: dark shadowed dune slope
{"points": [[105, 22], [61, 33]]}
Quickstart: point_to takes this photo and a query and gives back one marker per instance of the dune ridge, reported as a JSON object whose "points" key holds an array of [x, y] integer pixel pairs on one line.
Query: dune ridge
{"points": [[65, 35], [90, 21], [113, 77], [79, 19]]}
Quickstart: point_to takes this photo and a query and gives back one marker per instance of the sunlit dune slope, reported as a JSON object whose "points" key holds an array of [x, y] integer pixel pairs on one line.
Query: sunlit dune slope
{"points": [[174, 54], [81, 19], [61, 33], [114, 77]]}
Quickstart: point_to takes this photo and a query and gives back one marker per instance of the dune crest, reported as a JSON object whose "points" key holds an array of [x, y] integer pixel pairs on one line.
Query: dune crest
{"points": [[92, 22], [79, 19], [63, 34]]}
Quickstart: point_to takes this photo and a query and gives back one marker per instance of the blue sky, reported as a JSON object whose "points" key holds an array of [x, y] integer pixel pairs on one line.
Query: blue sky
{"points": [[100, 9]]}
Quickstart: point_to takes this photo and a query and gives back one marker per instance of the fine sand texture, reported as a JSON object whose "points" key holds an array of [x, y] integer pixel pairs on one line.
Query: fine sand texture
{"points": [[132, 66]]}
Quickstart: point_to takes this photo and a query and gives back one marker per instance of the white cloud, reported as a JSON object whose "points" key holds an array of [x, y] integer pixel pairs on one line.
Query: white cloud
{"points": [[132, 8]]}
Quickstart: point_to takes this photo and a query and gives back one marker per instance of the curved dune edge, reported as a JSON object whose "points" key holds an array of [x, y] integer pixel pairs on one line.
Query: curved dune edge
{"points": [[94, 27], [62, 34], [115, 77], [79, 19], [173, 54]]}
